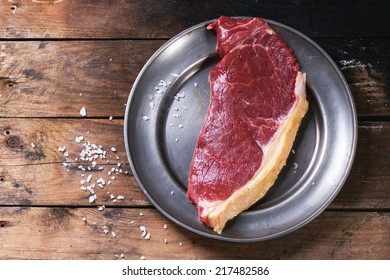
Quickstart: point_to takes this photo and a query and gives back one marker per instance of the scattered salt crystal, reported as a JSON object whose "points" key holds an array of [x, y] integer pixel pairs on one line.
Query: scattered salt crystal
{"points": [[146, 118], [165, 241], [82, 182], [181, 243], [293, 151], [92, 198], [295, 165], [152, 104], [171, 124], [172, 192], [110, 118], [141, 214], [195, 84], [113, 149], [162, 83], [176, 139], [147, 236], [113, 234], [175, 75], [119, 197], [181, 126], [65, 164], [101, 208], [78, 139], [32, 145], [83, 112], [62, 149], [66, 154], [165, 226], [142, 228], [142, 258], [84, 219], [143, 234]]}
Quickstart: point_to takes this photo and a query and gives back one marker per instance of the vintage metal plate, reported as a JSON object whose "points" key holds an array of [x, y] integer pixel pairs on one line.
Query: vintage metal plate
{"points": [[163, 121]]}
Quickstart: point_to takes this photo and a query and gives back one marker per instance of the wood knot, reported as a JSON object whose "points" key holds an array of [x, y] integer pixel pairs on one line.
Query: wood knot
{"points": [[13, 8], [3, 223], [2, 179], [13, 142]]}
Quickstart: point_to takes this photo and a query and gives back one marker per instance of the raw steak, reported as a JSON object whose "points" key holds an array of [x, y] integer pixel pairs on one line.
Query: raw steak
{"points": [[258, 99]]}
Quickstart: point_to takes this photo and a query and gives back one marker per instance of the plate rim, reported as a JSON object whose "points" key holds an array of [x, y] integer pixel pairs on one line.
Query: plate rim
{"points": [[221, 237]]}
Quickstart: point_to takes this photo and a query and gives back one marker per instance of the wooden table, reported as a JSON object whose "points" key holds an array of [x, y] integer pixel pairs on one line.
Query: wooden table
{"points": [[57, 56]]}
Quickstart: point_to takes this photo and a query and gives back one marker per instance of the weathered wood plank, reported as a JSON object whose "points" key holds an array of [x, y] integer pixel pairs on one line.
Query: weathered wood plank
{"points": [[46, 79], [368, 182], [163, 19], [29, 141], [36, 176], [61, 233], [54, 184], [63, 76]]}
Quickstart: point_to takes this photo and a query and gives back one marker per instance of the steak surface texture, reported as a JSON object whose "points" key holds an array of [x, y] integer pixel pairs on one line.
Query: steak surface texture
{"points": [[257, 102]]}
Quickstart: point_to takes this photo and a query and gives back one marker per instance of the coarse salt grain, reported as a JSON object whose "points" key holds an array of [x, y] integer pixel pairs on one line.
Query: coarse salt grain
{"points": [[83, 112], [32, 145], [113, 149], [142, 258], [62, 149], [92, 198], [78, 139], [146, 118], [113, 234], [165, 226], [89, 178], [147, 236]]}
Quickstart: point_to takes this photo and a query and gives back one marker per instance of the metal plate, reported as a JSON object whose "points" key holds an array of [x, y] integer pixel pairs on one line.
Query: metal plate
{"points": [[161, 133]]}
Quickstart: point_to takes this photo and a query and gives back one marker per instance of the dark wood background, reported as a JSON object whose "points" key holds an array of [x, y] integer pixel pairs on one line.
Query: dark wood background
{"points": [[58, 56]]}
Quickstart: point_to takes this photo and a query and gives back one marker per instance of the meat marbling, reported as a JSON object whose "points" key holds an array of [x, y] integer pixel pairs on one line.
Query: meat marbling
{"points": [[258, 99]]}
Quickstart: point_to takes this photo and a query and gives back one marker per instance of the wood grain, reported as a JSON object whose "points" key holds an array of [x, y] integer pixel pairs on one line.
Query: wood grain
{"points": [[36, 175], [57, 79], [61, 233], [61, 77], [56, 185], [163, 19], [48, 135]]}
